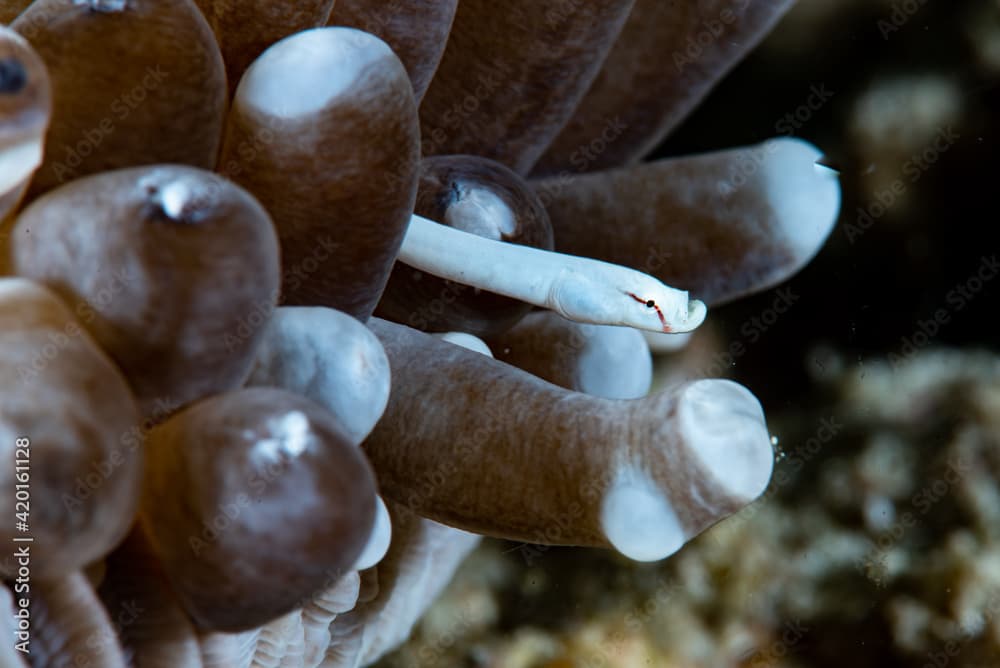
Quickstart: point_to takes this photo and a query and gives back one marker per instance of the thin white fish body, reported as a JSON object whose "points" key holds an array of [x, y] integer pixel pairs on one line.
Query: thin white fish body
{"points": [[577, 288]]}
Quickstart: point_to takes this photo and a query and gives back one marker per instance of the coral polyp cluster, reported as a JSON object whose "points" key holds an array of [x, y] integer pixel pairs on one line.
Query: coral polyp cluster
{"points": [[225, 225]]}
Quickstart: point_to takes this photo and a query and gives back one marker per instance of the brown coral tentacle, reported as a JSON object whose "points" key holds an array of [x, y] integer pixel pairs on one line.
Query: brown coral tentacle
{"points": [[722, 224], [511, 76], [668, 57], [10, 655], [172, 269], [267, 474], [321, 611], [485, 447], [245, 28], [65, 426], [71, 626], [122, 95], [611, 362], [416, 30], [228, 650], [324, 131], [421, 561], [158, 634], [329, 357]]}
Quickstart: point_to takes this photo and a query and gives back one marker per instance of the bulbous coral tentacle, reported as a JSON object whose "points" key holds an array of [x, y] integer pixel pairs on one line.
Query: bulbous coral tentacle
{"points": [[510, 79], [267, 474], [666, 60], [64, 416], [9, 655], [246, 28], [70, 625], [416, 30], [25, 112], [485, 447], [133, 250], [122, 96], [421, 561], [332, 158], [228, 650], [319, 614], [11, 8], [158, 633], [605, 361], [722, 224], [319, 353]]}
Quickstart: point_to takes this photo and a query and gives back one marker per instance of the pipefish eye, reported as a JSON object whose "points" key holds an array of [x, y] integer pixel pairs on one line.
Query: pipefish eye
{"points": [[650, 303]]}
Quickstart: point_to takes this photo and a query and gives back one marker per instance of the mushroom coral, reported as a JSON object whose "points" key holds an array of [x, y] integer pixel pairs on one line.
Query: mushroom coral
{"points": [[297, 479]]}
